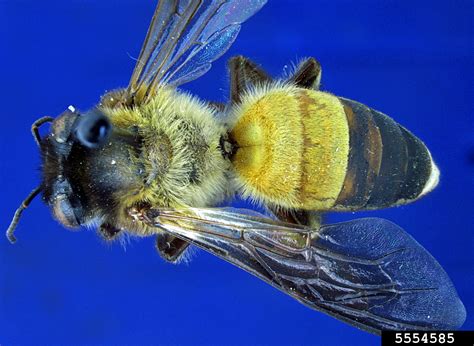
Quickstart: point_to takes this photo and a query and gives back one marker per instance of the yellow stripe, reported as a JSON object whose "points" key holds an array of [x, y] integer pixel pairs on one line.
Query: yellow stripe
{"points": [[269, 143], [326, 149]]}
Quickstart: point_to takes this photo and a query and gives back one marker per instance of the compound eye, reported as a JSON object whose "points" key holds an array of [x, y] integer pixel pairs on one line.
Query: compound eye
{"points": [[93, 129]]}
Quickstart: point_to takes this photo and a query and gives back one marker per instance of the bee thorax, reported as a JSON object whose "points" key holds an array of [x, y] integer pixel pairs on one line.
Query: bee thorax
{"points": [[180, 154]]}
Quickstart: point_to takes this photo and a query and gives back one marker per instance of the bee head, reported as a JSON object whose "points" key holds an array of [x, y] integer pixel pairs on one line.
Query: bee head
{"points": [[72, 136], [70, 133], [88, 167]]}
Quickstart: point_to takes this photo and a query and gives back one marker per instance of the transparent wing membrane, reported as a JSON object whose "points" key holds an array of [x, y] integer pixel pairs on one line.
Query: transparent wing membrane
{"points": [[367, 272], [185, 37]]}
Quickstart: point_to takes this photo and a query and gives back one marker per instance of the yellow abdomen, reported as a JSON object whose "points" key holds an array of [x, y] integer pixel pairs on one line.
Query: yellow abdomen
{"points": [[293, 147]]}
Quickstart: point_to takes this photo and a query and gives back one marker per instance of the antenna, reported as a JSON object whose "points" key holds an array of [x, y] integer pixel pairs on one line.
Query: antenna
{"points": [[36, 125], [26, 202]]}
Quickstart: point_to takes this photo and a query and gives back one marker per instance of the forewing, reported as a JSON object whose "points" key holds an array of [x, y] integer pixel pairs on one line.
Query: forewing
{"points": [[185, 37], [368, 272]]}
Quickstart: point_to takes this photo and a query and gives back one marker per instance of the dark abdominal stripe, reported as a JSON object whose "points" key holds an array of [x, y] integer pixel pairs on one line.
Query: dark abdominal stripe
{"points": [[387, 164]]}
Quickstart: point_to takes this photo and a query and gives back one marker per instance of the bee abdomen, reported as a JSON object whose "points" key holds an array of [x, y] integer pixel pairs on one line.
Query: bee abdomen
{"points": [[387, 164]]}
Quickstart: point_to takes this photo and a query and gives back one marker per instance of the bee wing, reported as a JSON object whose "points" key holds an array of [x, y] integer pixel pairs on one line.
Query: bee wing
{"points": [[185, 37], [368, 272]]}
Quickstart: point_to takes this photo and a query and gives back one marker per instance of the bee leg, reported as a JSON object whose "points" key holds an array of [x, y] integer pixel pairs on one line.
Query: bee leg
{"points": [[298, 217], [314, 219], [217, 106], [170, 248], [108, 232], [243, 74], [308, 74]]}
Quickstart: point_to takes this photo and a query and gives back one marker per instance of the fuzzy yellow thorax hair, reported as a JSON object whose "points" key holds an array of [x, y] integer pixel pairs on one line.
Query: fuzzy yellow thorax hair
{"points": [[180, 152]]}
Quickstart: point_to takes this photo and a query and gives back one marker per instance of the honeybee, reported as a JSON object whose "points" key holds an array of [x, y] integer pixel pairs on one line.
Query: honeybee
{"points": [[151, 160]]}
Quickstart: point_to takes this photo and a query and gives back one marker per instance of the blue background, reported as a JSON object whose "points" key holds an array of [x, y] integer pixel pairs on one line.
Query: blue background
{"points": [[410, 59]]}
